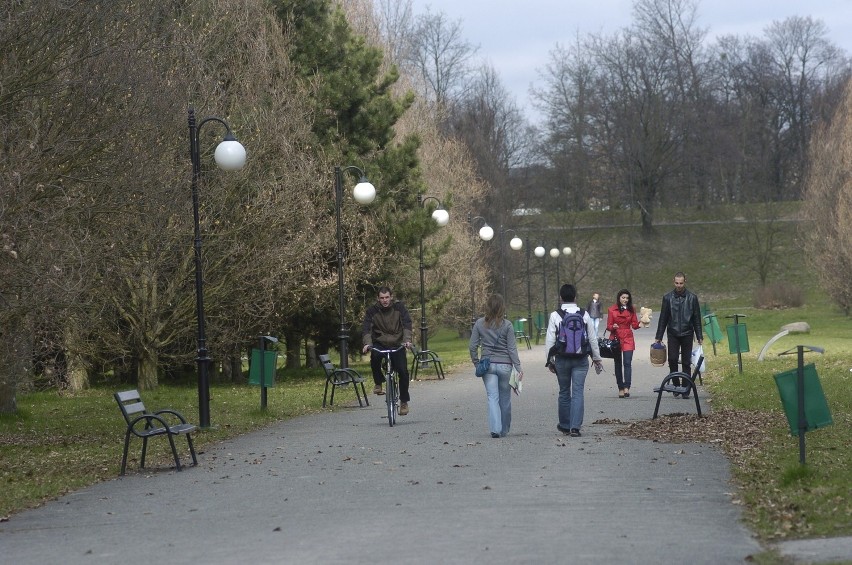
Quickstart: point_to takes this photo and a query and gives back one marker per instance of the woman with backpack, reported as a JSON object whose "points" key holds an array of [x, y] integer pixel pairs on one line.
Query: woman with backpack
{"points": [[621, 320]]}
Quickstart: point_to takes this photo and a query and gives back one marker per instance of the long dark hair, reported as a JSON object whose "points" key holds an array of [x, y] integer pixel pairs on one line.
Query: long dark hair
{"points": [[629, 299], [495, 311]]}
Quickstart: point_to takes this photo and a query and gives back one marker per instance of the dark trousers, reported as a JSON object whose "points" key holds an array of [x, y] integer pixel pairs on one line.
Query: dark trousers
{"points": [[623, 377], [680, 352], [399, 361]]}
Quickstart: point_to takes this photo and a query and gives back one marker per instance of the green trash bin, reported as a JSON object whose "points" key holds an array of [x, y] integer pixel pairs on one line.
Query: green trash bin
{"points": [[817, 413], [711, 328], [270, 361], [737, 336]]}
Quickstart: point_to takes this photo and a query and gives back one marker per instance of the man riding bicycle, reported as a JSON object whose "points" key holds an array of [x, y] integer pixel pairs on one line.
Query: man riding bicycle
{"points": [[388, 325]]}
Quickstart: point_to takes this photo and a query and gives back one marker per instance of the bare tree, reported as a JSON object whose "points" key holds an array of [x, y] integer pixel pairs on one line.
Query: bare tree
{"points": [[442, 57], [570, 146], [53, 126], [803, 61], [827, 208]]}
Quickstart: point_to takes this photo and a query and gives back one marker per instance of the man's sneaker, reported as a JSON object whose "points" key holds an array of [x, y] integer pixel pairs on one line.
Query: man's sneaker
{"points": [[677, 395], [565, 431], [685, 395], [575, 432], [378, 390], [403, 409]]}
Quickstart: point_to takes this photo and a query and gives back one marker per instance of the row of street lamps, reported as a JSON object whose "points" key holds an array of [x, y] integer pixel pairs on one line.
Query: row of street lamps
{"points": [[230, 155], [486, 233]]}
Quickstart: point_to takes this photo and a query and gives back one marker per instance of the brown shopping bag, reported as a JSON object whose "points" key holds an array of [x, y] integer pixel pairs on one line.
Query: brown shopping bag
{"points": [[658, 354]]}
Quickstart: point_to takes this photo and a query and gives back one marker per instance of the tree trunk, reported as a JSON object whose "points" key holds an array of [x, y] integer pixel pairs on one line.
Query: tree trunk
{"points": [[293, 340], [232, 369], [15, 356], [78, 374], [147, 369], [311, 355], [76, 368], [8, 400]]}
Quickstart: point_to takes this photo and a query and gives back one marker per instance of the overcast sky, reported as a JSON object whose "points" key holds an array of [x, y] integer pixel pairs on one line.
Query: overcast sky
{"points": [[515, 36]]}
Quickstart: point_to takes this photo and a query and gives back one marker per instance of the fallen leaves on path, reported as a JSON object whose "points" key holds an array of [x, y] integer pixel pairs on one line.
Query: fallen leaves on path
{"points": [[737, 432]]}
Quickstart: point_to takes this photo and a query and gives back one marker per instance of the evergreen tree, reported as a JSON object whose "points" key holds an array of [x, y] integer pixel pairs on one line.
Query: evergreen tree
{"points": [[355, 111]]}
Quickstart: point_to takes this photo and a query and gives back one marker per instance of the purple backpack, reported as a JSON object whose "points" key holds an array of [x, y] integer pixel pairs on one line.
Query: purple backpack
{"points": [[572, 339]]}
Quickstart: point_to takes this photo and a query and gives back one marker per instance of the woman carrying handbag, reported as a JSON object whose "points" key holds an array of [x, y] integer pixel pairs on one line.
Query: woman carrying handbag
{"points": [[493, 337], [621, 320]]}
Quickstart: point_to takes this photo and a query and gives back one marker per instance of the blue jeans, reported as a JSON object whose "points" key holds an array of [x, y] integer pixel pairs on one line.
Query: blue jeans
{"points": [[623, 379], [499, 393], [571, 376], [597, 323]]}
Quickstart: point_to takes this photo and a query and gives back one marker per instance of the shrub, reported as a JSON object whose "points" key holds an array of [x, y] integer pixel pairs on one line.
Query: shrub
{"points": [[779, 295]]}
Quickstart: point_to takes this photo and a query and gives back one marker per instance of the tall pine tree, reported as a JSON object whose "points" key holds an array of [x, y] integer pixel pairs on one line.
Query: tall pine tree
{"points": [[355, 111]]}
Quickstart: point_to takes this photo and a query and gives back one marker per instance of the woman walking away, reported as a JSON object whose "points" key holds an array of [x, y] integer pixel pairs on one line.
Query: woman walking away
{"points": [[621, 320], [494, 337]]}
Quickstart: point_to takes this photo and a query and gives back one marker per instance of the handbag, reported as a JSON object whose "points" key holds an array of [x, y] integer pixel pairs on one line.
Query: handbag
{"points": [[658, 354], [609, 347], [482, 366]]}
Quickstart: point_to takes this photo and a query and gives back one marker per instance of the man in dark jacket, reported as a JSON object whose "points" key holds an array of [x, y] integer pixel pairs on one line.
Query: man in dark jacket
{"points": [[680, 319], [388, 325]]}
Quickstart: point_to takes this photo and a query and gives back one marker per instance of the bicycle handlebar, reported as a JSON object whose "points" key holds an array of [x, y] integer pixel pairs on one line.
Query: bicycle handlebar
{"points": [[386, 351]]}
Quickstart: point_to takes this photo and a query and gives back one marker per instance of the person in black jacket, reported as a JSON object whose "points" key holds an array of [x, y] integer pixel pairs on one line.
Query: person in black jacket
{"points": [[680, 320], [595, 311], [388, 325]]}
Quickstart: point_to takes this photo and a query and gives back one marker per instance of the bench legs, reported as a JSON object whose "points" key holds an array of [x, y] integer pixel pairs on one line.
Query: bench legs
{"points": [[354, 385], [665, 385], [145, 451], [425, 356]]}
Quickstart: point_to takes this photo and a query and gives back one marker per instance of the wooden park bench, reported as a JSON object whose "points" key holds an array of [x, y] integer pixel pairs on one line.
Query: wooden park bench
{"points": [[145, 425], [687, 388]]}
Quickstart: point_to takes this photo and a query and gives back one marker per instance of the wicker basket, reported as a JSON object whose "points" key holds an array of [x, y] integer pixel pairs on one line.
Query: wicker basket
{"points": [[658, 354]]}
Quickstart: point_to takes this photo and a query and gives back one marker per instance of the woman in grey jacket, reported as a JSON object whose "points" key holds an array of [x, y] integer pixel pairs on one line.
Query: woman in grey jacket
{"points": [[494, 337]]}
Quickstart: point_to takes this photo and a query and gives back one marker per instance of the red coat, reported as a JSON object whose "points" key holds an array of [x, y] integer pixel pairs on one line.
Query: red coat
{"points": [[625, 320]]}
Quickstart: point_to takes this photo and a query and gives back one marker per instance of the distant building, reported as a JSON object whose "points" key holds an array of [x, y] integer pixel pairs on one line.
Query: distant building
{"points": [[526, 211]]}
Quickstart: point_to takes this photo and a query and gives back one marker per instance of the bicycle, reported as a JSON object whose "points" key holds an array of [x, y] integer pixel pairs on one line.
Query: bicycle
{"points": [[391, 386]]}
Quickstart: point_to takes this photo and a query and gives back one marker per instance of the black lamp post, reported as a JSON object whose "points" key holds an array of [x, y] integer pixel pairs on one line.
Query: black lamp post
{"points": [[540, 252], [516, 243], [486, 233], [441, 217], [230, 155], [529, 292], [363, 193]]}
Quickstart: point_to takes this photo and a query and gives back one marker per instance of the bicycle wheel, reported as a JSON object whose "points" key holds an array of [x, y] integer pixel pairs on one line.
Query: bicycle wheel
{"points": [[390, 397]]}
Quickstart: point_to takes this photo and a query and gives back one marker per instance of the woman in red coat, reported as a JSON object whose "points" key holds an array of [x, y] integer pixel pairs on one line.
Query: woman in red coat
{"points": [[621, 320]]}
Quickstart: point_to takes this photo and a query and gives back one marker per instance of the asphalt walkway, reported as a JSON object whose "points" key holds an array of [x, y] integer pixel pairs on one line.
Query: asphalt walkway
{"points": [[344, 487]]}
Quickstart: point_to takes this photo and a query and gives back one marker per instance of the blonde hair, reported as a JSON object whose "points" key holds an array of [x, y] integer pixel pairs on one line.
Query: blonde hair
{"points": [[495, 311]]}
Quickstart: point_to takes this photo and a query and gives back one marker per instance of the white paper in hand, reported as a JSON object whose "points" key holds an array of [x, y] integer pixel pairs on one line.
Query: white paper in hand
{"points": [[516, 384]]}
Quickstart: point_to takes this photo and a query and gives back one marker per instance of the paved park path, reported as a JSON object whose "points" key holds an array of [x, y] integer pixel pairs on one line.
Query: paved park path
{"points": [[344, 487]]}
